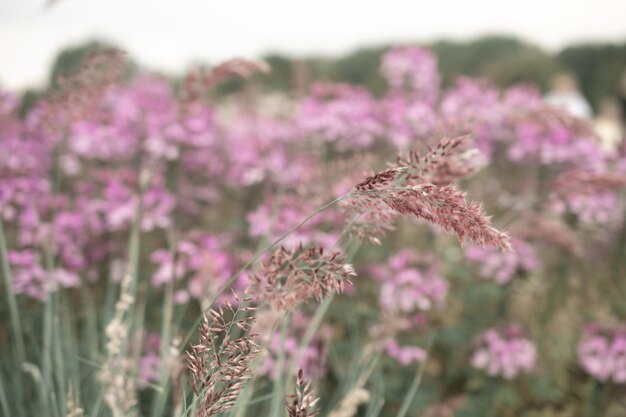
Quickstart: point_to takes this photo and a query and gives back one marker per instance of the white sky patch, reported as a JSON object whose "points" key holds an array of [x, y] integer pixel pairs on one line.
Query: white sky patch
{"points": [[169, 35]]}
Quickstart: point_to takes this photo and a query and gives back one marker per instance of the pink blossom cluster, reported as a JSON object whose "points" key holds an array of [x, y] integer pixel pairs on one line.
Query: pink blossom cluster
{"points": [[591, 209], [405, 355], [414, 69], [407, 119], [342, 113], [149, 368], [593, 196], [502, 267], [505, 353], [551, 140], [32, 279], [515, 121], [602, 353], [410, 284], [73, 190], [201, 264]]}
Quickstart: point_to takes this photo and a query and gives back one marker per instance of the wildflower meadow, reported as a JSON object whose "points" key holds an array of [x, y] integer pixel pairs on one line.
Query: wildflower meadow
{"points": [[428, 250]]}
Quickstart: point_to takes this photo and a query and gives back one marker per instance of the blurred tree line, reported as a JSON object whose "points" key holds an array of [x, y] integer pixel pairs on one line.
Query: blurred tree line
{"points": [[504, 60]]}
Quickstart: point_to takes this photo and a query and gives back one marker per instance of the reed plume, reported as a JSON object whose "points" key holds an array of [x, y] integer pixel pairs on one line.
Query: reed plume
{"points": [[220, 365], [303, 402], [298, 275]]}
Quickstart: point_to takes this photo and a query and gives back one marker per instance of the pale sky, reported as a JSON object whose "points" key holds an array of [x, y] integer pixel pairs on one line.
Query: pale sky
{"points": [[169, 35]]}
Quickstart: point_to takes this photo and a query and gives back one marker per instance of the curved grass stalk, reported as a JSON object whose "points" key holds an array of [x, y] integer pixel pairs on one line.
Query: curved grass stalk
{"points": [[258, 256]]}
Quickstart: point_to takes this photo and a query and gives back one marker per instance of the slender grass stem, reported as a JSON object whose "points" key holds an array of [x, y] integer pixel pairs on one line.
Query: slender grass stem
{"points": [[158, 402], [596, 403], [410, 394], [50, 314], [281, 378], [47, 389], [16, 323], [4, 403], [312, 328], [59, 353]]}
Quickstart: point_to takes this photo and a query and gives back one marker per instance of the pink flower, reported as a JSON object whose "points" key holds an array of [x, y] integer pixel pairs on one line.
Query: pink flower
{"points": [[504, 353], [202, 266], [408, 285], [405, 354], [31, 278], [341, 113], [408, 120], [414, 69], [602, 353], [150, 362], [501, 267]]}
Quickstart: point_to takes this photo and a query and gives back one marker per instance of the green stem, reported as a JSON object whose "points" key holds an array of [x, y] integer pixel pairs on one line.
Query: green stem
{"points": [[133, 313], [4, 403], [554, 291], [277, 392], [47, 390], [597, 400], [158, 402], [314, 324], [16, 323], [135, 246], [410, 395]]}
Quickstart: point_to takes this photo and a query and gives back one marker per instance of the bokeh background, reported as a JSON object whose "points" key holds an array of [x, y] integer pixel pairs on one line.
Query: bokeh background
{"points": [[339, 41], [136, 186]]}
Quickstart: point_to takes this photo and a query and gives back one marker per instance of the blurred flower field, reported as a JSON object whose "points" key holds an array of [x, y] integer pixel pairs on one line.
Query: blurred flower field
{"points": [[428, 251]]}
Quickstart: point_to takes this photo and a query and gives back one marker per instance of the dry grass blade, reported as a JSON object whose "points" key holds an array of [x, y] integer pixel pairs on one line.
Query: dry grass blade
{"points": [[298, 275], [420, 186], [220, 365], [303, 402], [441, 165], [444, 206]]}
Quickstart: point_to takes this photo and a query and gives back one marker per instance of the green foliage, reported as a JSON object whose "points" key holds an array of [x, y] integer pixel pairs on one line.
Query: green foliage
{"points": [[68, 61], [597, 67], [360, 67], [490, 56], [504, 60]]}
